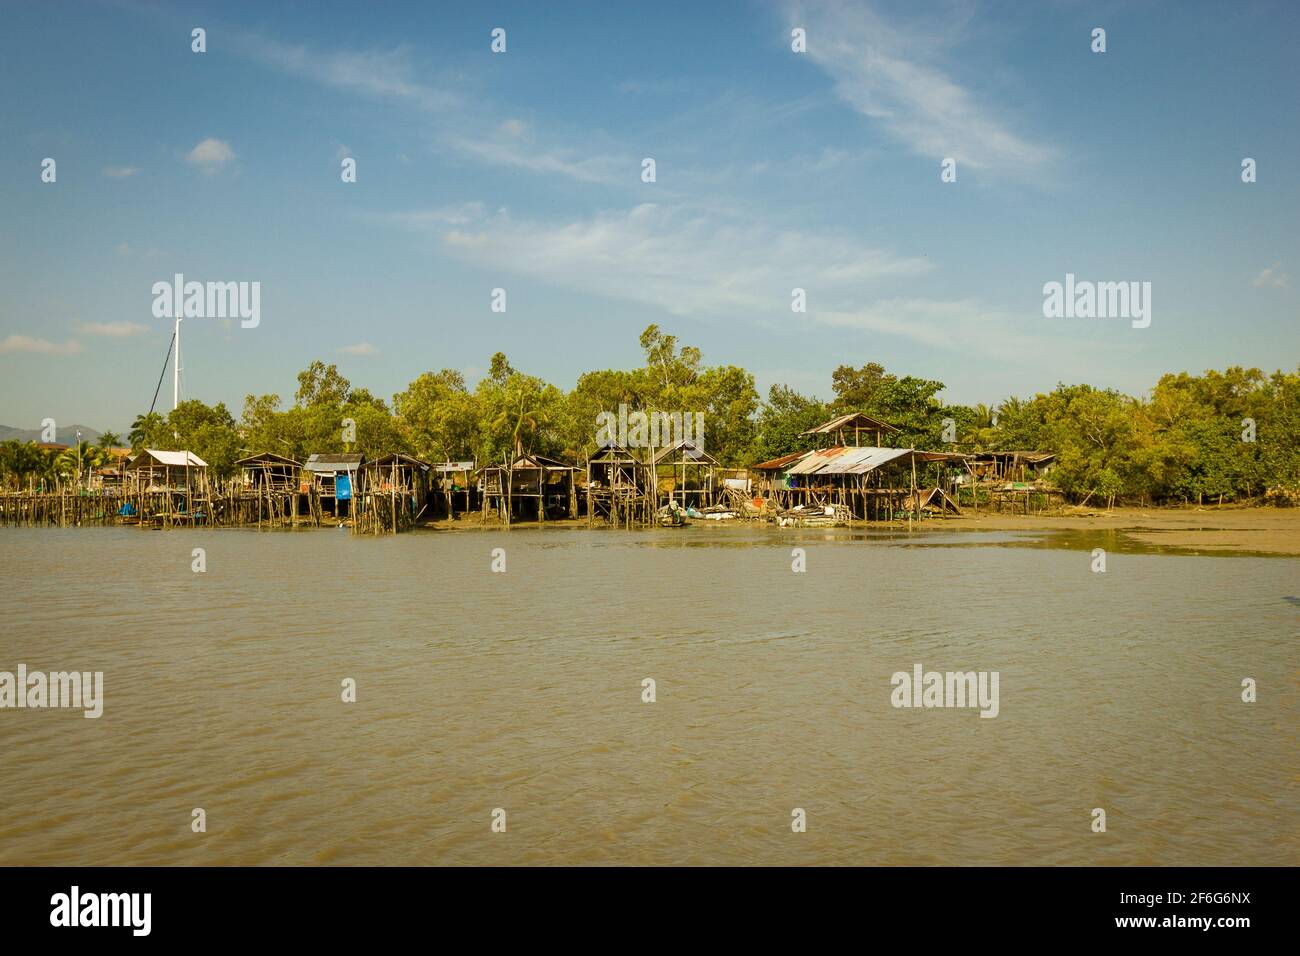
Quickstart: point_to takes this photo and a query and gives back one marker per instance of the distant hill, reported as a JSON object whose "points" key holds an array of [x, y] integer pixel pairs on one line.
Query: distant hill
{"points": [[66, 435]]}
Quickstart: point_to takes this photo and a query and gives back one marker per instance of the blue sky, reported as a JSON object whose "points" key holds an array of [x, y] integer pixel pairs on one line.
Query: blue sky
{"points": [[522, 170]]}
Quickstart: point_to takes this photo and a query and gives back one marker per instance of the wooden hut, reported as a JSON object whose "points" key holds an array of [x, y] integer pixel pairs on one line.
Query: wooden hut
{"points": [[452, 484], [391, 495], [110, 478], [268, 472], [619, 487], [530, 486], [685, 473], [1012, 465], [153, 470], [849, 430], [867, 482], [167, 487], [266, 489], [329, 482]]}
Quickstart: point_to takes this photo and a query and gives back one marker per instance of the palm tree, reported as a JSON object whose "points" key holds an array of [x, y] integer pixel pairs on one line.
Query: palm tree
{"points": [[141, 427]]}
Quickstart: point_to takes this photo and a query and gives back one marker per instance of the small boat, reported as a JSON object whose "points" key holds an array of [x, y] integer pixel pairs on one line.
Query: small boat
{"points": [[672, 516]]}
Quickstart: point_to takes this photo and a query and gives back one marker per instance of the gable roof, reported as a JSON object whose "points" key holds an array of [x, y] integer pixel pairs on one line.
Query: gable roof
{"points": [[689, 450], [613, 451], [171, 459], [776, 464], [332, 461], [398, 457], [857, 419], [270, 457], [539, 461]]}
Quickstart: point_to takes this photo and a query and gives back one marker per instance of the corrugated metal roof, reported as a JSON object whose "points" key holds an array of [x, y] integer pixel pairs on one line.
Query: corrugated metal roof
{"points": [[334, 462], [859, 461], [778, 463], [815, 460]]}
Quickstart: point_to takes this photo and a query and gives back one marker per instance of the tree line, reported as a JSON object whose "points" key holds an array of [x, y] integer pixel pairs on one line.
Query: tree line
{"points": [[1230, 435]]}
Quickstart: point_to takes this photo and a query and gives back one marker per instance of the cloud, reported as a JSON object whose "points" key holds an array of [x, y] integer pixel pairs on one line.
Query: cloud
{"points": [[29, 345], [514, 128], [1271, 278], [677, 260], [383, 74], [880, 70], [513, 150], [391, 75], [112, 330], [211, 155], [119, 172], [360, 348], [969, 327], [458, 215]]}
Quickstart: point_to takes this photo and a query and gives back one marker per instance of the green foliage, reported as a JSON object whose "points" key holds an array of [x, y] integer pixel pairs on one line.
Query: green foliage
{"points": [[1183, 443], [783, 419]]}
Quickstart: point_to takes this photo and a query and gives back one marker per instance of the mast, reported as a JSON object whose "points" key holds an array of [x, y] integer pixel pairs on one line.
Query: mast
{"points": [[176, 367]]}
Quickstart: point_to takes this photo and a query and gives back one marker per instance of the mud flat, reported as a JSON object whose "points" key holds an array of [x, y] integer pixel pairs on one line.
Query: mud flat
{"points": [[1248, 530]]}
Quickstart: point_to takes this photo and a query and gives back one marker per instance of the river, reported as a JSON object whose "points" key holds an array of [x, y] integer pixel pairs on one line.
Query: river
{"points": [[523, 691]]}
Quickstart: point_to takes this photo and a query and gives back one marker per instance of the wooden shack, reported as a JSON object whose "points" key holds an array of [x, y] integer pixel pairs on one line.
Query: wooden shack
{"points": [[452, 485], [167, 488], [1012, 465], [849, 430], [268, 473], [867, 482], [266, 489], [685, 473], [391, 494], [619, 487], [529, 487], [329, 481]]}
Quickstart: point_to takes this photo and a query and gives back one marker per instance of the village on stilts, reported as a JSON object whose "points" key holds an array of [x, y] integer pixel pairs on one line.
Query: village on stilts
{"points": [[849, 473]]}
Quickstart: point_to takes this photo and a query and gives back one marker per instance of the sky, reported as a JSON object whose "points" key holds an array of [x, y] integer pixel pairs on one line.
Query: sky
{"points": [[523, 170]]}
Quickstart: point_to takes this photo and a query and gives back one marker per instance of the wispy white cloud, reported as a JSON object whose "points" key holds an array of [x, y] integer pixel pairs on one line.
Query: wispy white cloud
{"points": [[511, 149], [360, 348], [211, 155], [394, 76], [885, 71], [119, 172], [382, 74], [968, 327], [1271, 277], [34, 346], [455, 215], [112, 330], [675, 259]]}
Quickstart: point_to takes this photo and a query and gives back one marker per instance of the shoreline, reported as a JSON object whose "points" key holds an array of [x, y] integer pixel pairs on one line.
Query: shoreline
{"points": [[1224, 530]]}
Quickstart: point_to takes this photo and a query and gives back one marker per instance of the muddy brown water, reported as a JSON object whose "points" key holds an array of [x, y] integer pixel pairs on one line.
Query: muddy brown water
{"points": [[523, 691]]}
